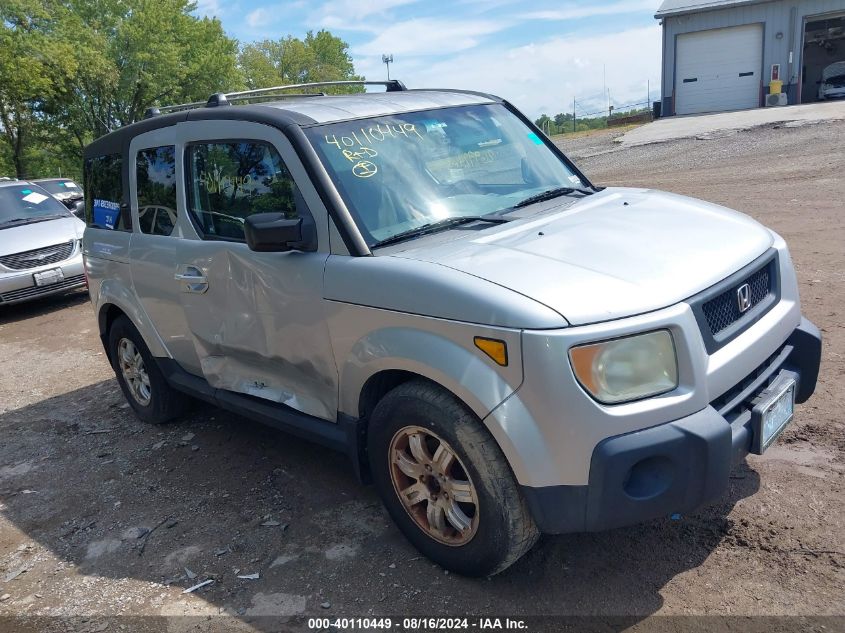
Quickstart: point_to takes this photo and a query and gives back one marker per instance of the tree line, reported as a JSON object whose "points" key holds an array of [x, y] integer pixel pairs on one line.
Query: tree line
{"points": [[562, 123], [72, 70]]}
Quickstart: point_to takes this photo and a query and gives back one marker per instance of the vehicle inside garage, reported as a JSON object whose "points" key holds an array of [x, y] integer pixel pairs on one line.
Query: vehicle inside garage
{"points": [[824, 46]]}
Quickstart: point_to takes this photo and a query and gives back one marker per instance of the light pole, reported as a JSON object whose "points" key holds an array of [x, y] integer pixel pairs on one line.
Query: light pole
{"points": [[387, 60]]}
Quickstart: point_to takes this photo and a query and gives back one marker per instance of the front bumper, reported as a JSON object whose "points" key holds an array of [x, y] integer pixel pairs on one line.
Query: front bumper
{"points": [[674, 467], [17, 286]]}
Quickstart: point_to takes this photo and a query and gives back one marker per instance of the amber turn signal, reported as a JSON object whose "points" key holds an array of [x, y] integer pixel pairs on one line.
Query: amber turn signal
{"points": [[494, 348]]}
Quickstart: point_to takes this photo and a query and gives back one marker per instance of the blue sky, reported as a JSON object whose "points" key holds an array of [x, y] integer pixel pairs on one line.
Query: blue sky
{"points": [[538, 54]]}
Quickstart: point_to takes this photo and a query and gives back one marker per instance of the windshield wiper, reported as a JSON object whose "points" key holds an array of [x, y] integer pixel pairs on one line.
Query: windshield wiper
{"points": [[30, 220], [551, 194], [441, 225]]}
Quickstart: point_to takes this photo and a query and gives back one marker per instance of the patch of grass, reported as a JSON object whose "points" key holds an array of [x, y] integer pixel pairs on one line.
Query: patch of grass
{"points": [[608, 130]]}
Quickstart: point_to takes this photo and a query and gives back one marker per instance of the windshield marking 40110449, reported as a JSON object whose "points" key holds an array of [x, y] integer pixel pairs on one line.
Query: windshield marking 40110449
{"points": [[410, 172]]}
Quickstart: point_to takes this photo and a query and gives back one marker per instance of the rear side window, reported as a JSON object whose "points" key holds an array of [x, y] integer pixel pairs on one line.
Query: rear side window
{"points": [[229, 181], [155, 170], [103, 182]]}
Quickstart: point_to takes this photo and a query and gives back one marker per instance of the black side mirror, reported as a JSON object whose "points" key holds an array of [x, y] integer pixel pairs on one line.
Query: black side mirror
{"points": [[274, 233]]}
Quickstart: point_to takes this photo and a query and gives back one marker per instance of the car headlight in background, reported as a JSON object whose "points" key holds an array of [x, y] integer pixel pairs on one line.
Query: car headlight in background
{"points": [[626, 369]]}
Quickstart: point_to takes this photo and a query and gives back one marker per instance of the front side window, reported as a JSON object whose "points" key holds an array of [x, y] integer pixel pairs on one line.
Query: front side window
{"points": [[229, 181], [400, 172], [103, 182], [156, 181]]}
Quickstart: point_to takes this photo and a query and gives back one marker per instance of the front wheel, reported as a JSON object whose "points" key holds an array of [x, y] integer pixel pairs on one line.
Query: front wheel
{"points": [[144, 386], [446, 483]]}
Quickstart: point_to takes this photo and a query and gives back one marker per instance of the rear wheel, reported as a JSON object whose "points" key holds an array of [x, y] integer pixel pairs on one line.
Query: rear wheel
{"points": [[144, 386], [446, 483]]}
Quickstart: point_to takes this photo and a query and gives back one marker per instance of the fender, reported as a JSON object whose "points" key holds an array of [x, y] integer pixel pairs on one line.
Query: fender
{"points": [[113, 292], [465, 373]]}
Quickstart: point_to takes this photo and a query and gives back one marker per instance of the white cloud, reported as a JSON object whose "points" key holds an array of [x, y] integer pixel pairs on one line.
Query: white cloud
{"points": [[579, 11], [429, 36], [256, 18], [356, 15], [487, 5], [209, 8], [543, 76]]}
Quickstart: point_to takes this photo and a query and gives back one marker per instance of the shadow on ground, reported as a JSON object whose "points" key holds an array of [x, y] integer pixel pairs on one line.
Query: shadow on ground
{"points": [[83, 478], [40, 307]]}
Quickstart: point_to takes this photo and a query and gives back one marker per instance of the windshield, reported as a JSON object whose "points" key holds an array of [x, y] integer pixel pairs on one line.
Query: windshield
{"points": [[26, 203], [401, 172], [62, 187]]}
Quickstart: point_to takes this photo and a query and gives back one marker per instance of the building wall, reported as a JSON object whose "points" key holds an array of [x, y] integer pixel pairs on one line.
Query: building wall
{"points": [[779, 16]]}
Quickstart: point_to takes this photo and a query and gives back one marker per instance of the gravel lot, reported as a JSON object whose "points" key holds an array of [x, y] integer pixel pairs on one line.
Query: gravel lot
{"points": [[83, 483]]}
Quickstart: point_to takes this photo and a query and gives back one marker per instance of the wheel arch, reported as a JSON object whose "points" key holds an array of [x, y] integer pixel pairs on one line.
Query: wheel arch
{"points": [[387, 358], [107, 315], [372, 392], [115, 300]]}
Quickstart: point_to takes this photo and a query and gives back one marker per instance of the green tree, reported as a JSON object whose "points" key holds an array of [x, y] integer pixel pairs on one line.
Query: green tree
{"points": [[290, 60], [134, 54], [561, 119], [36, 65]]}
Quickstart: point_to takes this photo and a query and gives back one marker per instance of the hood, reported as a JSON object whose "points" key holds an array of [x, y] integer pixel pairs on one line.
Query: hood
{"points": [[617, 253], [834, 70], [17, 239]]}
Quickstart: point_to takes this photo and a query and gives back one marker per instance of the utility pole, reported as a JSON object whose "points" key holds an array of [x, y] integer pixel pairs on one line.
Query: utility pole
{"points": [[386, 60], [606, 93], [573, 115]]}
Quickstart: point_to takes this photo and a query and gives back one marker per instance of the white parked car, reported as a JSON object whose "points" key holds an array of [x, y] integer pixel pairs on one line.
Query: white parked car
{"points": [[40, 244], [832, 85], [65, 191]]}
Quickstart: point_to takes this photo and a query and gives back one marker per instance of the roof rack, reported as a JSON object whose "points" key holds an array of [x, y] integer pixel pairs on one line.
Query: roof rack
{"points": [[227, 98]]}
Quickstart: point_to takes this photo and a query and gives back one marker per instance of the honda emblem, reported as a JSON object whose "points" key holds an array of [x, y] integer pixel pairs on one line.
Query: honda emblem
{"points": [[743, 298]]}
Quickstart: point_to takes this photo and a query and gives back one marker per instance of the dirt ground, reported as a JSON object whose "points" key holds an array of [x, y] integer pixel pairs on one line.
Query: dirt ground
{"points": [[102, 516]]}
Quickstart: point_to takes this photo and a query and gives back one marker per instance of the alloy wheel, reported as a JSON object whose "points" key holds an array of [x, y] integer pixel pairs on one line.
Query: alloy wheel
{"points": [[433, 485], [134, 372]]}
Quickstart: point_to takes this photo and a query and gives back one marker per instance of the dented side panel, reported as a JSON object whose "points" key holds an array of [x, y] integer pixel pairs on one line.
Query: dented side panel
{"points": [[260, 327]]}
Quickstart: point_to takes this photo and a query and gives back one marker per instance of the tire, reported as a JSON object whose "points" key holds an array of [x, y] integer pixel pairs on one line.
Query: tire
{"points": [[158, 402], [406, 431]]}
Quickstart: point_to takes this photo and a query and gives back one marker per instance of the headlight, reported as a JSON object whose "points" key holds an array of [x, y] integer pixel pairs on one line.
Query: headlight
{"points": [[626, 369]]}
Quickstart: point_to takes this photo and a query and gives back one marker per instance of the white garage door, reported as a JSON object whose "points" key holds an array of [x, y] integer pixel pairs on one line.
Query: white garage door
{"points": [[719, 69]]}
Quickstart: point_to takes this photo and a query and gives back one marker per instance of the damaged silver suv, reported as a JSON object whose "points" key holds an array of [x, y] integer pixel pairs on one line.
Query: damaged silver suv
{"points": [[422, 280]]}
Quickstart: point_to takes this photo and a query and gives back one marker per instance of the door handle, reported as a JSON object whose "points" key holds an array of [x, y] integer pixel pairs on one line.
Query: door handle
{"points": [[193, 280]]}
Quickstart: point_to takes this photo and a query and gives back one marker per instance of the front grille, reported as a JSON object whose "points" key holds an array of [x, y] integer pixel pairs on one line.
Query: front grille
{"points": [[38, 257], [716, 310], [723, 311], [34, 291]]}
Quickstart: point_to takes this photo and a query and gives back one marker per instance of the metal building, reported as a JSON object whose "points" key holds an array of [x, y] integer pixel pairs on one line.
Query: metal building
{"points": [[730, 54]]}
